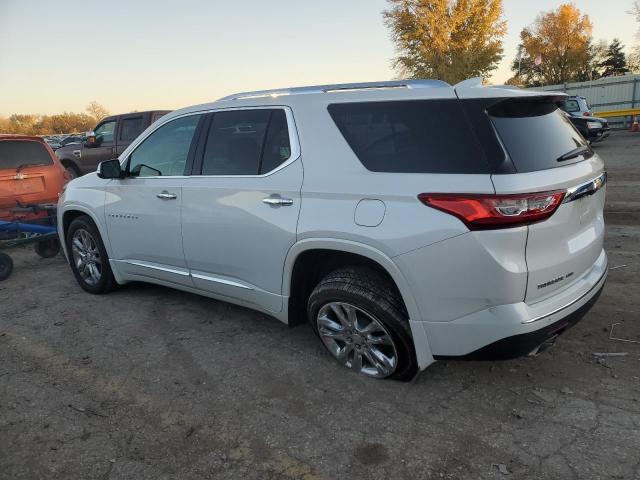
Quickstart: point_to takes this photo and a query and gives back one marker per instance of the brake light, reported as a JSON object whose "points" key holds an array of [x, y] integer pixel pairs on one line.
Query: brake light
{"points": [[586, 114], [485, 212]]}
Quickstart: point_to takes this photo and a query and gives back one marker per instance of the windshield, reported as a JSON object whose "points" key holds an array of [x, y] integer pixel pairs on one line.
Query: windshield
{"points": [[536, 133], [16, 153]]}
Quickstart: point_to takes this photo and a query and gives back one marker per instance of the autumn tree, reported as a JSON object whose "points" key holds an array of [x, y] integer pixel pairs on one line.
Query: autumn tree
{"points": [[97, 111], [560, 40], [450, 40], [30, 124]]}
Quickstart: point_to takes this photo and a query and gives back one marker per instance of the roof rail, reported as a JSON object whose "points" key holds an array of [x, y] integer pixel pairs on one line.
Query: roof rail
{"points": [[339, 87]]}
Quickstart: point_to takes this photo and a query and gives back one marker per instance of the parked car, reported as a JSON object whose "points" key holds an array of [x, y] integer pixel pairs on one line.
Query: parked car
{"points": [[577, 106], [72, 140], [407, 221], [110, 138], [30, 173], [53, 142], [594, 129]]}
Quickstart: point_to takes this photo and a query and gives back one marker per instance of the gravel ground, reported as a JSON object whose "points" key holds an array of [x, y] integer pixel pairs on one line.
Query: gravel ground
{"points": [[151, 383]]}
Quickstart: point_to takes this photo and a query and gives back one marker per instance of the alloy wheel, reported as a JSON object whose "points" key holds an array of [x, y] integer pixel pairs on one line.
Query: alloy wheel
{"points": [[357, 339], [86, 256]]}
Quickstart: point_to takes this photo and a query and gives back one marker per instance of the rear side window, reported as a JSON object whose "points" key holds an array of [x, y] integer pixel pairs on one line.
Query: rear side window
{"points": [[425, 136], [536, 134], [246, 142], [572, 106], [17, 153], [130, 128]]}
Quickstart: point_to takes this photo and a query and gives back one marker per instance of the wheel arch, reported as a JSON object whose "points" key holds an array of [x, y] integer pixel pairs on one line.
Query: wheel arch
{"points": [[70, 213], [301, 271], [69, 163], [348, 250]]}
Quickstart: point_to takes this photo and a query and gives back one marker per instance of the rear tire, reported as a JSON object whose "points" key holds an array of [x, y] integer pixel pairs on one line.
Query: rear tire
{"points": [[88, 257], [6, 266], [48, 248], [377, 340]]}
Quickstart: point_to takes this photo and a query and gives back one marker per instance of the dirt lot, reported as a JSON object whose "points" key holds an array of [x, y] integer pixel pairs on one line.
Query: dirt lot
{"points": [[150, 383]]}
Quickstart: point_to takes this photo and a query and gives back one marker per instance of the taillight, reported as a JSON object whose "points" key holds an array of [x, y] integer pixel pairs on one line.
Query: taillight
{"points": [[484, 211], [586, 114]]}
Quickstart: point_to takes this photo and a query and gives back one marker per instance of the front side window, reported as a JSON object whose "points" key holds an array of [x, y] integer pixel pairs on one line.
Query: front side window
{"points": [[246, 142], [130, 128], [105, 132], [166, 150]]}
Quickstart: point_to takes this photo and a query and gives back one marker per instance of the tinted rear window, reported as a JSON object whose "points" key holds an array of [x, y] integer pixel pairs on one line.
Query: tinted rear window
{"points": [[536, 133], [425, 136], [16, 153]]}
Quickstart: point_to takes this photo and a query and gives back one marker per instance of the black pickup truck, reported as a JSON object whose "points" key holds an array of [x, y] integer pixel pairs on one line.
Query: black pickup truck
{"points": [[108, 140]]}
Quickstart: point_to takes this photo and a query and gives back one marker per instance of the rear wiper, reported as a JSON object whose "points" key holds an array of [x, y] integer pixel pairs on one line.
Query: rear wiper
{"points": [[576, 152]]}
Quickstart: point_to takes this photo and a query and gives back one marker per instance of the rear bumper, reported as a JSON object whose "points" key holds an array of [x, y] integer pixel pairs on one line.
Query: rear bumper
{"points": [[508, 331], [599, 135], [524, 343]]}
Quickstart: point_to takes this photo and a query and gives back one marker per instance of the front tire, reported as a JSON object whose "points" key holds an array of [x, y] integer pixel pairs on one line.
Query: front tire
{"points": [[72, 170], [6, 266], [88, 257], [360, 318]]}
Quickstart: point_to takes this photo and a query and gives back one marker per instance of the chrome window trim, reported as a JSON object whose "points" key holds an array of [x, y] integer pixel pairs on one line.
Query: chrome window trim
{"points": [[586, 188], [294, 141]]}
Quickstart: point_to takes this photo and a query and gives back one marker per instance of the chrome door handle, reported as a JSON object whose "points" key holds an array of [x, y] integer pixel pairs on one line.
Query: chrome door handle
{"points": [[277, 201], [164, 195]]}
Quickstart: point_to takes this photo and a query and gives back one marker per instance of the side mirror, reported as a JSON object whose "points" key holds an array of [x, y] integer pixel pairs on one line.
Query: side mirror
{"points": [[110, 169], [91, 140]]}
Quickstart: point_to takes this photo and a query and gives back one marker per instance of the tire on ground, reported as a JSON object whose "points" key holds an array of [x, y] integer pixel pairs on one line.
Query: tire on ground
{"points": [[107, 282], [6, 266], [365, 288]]}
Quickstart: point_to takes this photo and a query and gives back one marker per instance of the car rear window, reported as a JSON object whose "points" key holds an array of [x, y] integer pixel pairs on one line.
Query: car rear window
{"points": [[17, 153], [417, 136], [572, 106], [536, 133]]}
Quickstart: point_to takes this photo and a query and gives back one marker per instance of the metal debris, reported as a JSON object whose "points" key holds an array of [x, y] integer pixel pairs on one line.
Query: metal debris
{"points": [[502, 468], [617, 266], [611, 337]]}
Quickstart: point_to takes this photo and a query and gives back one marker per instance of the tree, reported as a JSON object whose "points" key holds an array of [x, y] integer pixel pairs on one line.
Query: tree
{"points": [[560, 40], [633, 61], [449, 40], [592, 70], [97, 111], [615, 62]]}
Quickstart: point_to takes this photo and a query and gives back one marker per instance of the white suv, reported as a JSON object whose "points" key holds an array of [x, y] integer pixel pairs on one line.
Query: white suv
{"points": [[406, 221]]}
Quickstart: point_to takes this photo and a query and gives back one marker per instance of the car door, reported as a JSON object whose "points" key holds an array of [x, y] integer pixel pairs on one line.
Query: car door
{"points": [[240, 213], [143, 209], [88, 157]]}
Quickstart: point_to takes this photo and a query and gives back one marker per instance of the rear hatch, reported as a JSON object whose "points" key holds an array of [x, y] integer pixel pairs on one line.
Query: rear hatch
{"points": [[21, 174], [549, 155]]}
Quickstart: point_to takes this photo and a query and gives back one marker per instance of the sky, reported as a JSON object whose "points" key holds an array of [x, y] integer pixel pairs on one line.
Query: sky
{"points": [[137, 55]]}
